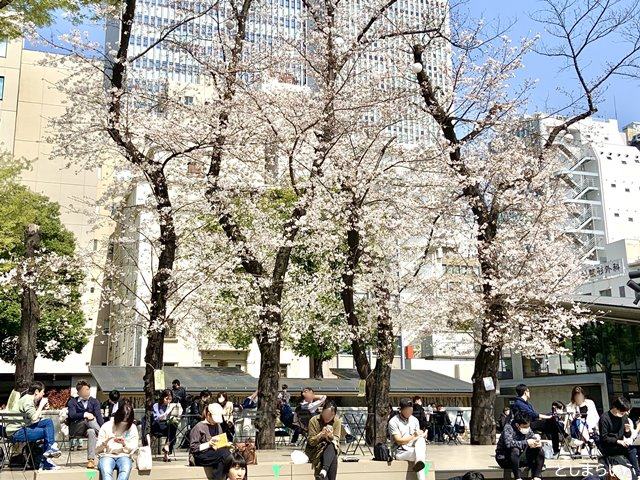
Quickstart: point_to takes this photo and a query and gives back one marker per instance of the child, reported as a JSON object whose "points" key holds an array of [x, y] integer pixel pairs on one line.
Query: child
{"points": [[235, 467]]}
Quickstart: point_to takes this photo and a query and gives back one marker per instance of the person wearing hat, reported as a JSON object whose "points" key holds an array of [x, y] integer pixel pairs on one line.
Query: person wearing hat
{"points": [[208, 444]]}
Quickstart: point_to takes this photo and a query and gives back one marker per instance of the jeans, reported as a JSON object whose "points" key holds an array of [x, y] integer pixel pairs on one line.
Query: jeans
{"points": [[531, 457], [106, 465], [416, 453], [42, 430]]}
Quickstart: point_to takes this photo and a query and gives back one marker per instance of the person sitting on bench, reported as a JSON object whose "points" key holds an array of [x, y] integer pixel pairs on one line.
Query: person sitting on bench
{"points": [[37, 428], [323, 444], [546, 424], [85, 419], [410, 441], [518, 446], [208, 444]]}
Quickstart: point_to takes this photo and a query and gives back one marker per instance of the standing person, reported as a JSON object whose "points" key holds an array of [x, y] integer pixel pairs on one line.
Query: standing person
{"points": [[205, 438], [179, 393], [163, 422], [85, 419], [117, 442], [419, 413], [518, 447], [323, 442], [31, 406], [235, 467], [546, 424], [408, 439], [616, 432]]}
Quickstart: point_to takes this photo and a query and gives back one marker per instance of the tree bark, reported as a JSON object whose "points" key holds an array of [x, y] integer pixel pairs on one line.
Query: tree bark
{"points": [[153, 359], [483, 425], [268, 388], [317, 368], [379, 382], [30, 315]]}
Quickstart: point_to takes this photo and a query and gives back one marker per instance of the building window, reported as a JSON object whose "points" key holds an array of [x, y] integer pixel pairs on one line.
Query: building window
{"points": [[622, 292], [188, 100], [3, 48], [631, 219], [613, 185], [283, 370], [616, 215], [223, 363], [605, 293], [1, 88]]}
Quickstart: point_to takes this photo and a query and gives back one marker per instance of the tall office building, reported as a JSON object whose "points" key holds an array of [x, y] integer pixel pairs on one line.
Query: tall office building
{"points": [[162, 66]]}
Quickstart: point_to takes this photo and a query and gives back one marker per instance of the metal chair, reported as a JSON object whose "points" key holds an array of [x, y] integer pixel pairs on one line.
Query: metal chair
{"points": [[6, 443]]}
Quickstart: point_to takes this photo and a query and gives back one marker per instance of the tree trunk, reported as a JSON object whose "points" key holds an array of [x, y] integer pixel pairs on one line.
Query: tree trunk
{"points": [[268, 390], [30, 316], [379, 382], [483, 425], [316, 370], [153, 359]]}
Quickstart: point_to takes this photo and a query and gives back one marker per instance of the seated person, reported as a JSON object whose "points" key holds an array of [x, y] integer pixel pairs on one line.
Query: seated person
{"points": [[583, 417], [251, 402], [111, 405], [287, 417], [409, 440], [616, 433], [323, 442], [37, 428], [546, 424], [504, 418], [208, 444], [518, 446], [311, 401], [419, 413], [235, 467], [443, 422], [85, 419], [117, 442], [164, 423]]}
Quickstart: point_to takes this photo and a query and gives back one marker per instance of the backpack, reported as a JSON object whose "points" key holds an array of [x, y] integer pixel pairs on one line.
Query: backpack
{"points": [[381, 453]]}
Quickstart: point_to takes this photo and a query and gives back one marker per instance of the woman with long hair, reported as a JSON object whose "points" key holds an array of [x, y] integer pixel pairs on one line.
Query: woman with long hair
{"points": [[117, 441]]}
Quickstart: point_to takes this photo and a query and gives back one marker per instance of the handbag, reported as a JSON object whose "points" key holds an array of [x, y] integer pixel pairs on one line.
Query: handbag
{"points": [[144, 460], [248, 451]]}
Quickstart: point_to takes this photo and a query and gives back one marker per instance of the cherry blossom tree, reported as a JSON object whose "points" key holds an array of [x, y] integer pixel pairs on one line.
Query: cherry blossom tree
{"points": [[509, 187]]}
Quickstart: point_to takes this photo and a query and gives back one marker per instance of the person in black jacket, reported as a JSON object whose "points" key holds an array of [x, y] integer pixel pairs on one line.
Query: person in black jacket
{"points": [[85, 419], [615, 432], [504, 418], [518, 446], [419, 413], [179, 394]]}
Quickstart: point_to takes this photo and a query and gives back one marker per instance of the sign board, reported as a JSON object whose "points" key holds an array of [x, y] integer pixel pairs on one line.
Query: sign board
{"points": [[610, 269]]}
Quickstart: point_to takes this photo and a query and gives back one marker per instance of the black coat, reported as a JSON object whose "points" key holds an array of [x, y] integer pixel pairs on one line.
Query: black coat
{"points": [[419, 413]]}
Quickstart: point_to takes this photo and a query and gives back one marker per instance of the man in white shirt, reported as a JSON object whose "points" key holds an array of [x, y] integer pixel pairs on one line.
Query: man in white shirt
{"points": [[410, 441], [311, 402]]}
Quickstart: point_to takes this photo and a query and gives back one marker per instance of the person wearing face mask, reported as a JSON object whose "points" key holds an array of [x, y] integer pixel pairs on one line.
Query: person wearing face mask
{"points": [[519, 447], [616, 433], [409, 440], [207, 446], [235, 467], [546, 424]]}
